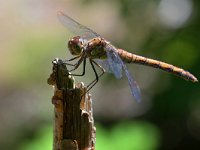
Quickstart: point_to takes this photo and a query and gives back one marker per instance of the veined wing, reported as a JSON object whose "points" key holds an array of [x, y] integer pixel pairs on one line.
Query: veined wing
{"points": [[116, 64], [113, 63], [75, 27], [104, 63], [135, 90]]}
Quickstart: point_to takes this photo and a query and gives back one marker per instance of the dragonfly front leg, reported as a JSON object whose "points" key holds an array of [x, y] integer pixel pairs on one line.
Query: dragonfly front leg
{"points": [[74, 58], [82, 59], [96, 75], [83, 72]]}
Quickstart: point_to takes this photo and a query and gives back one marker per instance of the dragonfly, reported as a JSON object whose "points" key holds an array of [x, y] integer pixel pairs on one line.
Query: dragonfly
{"points": [[87, 44]]}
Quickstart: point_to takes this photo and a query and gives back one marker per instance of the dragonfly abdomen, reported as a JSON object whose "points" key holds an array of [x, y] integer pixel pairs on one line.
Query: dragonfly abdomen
{"points": [[132, 58]]}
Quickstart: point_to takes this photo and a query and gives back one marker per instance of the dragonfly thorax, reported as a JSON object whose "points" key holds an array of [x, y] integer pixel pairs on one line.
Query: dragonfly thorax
{"points": [[96, 48], [75, 45]]}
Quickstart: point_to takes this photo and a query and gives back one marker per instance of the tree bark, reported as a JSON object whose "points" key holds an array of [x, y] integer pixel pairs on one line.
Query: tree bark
{"points": [[74, 125]]}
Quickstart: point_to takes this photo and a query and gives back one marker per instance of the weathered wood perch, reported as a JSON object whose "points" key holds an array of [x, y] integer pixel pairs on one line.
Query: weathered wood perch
{"points": [[74, 125]]}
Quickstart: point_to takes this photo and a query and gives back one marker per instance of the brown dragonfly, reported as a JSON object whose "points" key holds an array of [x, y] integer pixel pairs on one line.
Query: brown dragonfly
{"points": [[101, 53]]}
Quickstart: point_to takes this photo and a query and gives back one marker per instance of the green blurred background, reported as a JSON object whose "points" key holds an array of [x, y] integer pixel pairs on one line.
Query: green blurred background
{"points": [[169, 30]]}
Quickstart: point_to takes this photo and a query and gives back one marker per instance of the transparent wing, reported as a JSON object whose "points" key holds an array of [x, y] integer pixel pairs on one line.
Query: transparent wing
{"points": [[75, 27], [116, 65], [104, 63], [113, 62], [135, 90]]}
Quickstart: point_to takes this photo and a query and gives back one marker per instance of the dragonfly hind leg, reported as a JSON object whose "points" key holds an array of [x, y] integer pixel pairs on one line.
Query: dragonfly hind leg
{"points": [[92, 62]]}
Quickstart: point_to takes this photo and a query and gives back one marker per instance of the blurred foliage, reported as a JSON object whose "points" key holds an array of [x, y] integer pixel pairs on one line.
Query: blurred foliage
{"points": [[143, 136], [34, 47], [128, 136], [42, 140]]}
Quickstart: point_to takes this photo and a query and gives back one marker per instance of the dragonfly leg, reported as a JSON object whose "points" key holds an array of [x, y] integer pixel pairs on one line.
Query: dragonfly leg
{"points": [[92, 62], [66, 61], [73, 58], [69, 64], [83, 73], [77, 64]]}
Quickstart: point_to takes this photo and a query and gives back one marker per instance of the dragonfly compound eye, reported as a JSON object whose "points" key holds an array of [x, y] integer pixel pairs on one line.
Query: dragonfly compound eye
{"points": [[75, 45]]}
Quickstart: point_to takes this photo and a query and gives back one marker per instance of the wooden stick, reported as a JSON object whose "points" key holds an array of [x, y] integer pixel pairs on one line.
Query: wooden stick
{"points": [[74, 125]]}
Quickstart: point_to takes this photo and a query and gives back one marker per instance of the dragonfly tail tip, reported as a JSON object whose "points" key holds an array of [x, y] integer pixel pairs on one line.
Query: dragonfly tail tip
{"points": [[196, 80]]}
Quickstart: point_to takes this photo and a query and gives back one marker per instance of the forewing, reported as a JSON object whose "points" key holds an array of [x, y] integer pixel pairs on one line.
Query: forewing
{"points": [[76, 28], [116, 64]]}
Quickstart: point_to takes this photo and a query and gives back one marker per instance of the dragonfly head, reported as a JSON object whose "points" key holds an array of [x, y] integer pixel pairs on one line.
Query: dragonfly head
{"points": [[75, 45]]}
